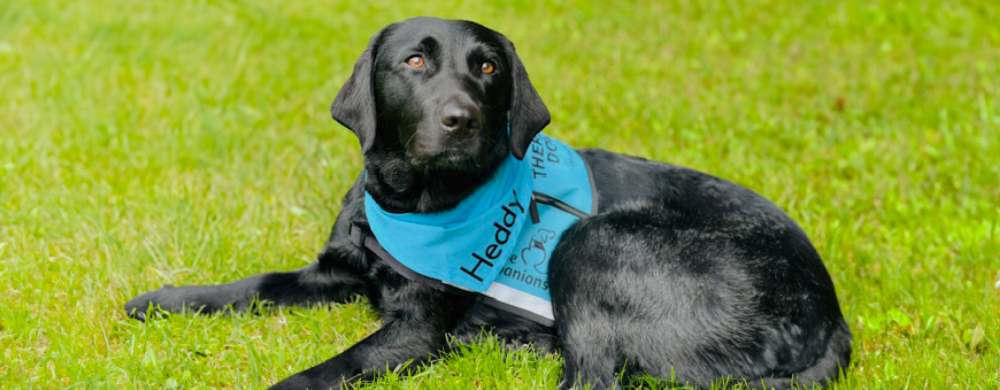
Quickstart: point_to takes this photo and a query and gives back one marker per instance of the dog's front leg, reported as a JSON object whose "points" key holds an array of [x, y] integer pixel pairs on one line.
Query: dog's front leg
{"points": [[334, 278], [417, 321]]}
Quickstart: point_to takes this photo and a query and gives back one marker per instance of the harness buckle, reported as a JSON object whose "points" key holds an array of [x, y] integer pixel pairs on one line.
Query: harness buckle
{"points": [[357, 234], [533, 210]]}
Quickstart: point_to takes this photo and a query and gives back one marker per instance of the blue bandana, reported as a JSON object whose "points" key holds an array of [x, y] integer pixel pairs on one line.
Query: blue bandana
{"points": [[498, 241]]}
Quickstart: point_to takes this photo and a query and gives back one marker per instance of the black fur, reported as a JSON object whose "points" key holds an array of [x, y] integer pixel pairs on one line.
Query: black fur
{"points": [[678, 271]]}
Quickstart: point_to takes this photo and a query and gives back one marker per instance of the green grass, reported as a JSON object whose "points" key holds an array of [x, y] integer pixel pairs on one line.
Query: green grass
{"points": [[188, 142]]}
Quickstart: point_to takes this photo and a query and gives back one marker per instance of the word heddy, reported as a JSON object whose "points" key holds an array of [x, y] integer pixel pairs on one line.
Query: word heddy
{"points": [[500, 237]]}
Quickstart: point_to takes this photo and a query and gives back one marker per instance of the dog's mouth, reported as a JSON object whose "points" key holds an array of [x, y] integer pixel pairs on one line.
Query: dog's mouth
{"points": [[464, 155], [452, 159]]}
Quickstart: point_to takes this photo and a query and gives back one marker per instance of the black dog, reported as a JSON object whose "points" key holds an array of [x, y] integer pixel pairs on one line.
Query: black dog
{"points": [[676, 272]]}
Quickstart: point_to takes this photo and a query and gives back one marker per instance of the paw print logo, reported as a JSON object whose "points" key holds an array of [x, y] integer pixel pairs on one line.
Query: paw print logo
{"points": [[535, 253]]}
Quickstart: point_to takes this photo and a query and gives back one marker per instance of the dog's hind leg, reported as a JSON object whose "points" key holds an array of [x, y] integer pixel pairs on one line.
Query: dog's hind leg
{"points": [[688, 299], [329, 280]]}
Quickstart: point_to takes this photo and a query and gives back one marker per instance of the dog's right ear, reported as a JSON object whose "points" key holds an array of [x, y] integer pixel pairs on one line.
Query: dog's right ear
{"points": [[354, 106]]}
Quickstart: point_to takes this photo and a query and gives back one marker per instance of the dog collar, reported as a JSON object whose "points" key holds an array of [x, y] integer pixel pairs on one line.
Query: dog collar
{"points": [[497, 242]]}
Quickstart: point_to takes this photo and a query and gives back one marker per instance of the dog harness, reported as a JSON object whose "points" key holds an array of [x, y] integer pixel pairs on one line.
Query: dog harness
{"points": [[496, 243]]}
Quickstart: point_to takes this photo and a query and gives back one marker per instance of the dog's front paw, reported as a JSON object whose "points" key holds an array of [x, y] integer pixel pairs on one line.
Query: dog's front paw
{"points": [[167, 299], [304, 382]]}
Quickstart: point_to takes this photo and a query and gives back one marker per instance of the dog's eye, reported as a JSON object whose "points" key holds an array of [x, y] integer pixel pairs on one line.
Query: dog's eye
{"points": [[489, 67], [415, 62]]}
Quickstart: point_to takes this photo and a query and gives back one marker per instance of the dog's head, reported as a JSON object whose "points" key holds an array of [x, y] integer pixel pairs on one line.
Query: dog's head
{"points": [[440, 95]]}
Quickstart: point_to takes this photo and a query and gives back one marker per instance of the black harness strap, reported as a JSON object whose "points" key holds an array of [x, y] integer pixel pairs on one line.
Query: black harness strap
{"points": [[538, 197]]}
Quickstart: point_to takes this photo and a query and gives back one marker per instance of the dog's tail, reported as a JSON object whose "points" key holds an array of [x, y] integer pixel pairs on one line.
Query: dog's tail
{"points": [[821, 374]]}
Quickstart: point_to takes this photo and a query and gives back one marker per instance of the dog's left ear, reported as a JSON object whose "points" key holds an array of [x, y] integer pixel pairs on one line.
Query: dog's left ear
{"points": [[528, 114], [354, 106]]}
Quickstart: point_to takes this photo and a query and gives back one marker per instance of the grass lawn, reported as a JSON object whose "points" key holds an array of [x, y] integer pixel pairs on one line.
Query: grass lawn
{"points": [[145, 143]]}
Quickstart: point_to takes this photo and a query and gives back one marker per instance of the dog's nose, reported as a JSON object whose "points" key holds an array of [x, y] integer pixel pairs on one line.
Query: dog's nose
{"points": [[460, 117]]}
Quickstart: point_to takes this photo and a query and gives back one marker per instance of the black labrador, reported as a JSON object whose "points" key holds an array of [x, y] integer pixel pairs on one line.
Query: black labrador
{"points": [[677, 272]]}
